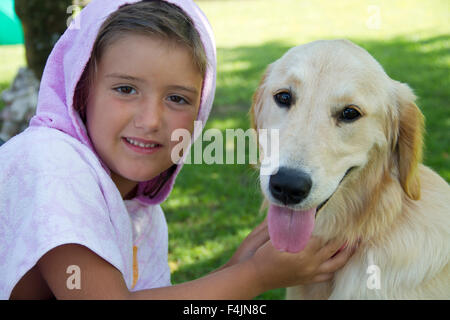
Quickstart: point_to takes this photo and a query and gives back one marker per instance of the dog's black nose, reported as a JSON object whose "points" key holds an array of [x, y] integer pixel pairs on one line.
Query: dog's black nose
{"points": [[290, 186]]}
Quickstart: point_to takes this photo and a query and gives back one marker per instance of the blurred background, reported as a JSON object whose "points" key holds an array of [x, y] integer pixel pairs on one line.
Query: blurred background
{"points": [[213, 207]]}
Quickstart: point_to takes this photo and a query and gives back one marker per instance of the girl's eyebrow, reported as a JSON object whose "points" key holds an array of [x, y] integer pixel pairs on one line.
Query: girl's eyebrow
{"points": [[131, 78], [124, 77], [183, 88]]}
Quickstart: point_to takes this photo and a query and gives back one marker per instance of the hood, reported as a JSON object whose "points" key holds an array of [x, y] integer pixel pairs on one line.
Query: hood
{"points": [[71, 54]]}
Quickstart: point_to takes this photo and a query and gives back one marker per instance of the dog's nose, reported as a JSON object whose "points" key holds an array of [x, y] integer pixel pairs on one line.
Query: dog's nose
{"points": [[290, 186]]}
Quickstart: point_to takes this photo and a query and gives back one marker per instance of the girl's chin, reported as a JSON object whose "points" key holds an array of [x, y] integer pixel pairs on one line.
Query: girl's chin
{"points": [[139, 178], [127, 176], [143, 175], [139, 172]]}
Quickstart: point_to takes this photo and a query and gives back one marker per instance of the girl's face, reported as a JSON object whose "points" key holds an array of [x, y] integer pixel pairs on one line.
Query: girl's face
{"points": [[144, 89]]}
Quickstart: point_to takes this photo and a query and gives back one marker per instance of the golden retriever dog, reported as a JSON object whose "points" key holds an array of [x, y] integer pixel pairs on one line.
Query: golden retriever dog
{"points": [[350, 147]]}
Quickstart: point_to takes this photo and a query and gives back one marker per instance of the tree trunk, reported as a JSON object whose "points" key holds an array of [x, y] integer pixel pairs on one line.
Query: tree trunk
{"points": [[43, 21]]}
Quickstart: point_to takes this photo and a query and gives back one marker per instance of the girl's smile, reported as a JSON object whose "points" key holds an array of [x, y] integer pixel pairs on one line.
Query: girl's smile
{"points": [[144, 89], [142, 146]]}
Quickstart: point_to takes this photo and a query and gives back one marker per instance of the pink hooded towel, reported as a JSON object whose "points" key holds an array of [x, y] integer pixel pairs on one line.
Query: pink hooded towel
{"points": [[55, 190]]}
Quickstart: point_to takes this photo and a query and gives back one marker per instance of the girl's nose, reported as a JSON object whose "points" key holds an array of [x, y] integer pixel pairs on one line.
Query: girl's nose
{"points": [[149, 116]]}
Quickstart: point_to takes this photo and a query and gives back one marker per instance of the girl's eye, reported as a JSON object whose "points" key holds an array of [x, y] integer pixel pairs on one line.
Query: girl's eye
{"points": [[177, 99], [283, 99], [126, 90], [349, 114]]}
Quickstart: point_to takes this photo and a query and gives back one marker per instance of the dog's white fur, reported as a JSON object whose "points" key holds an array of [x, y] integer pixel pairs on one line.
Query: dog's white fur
{"points": [[396, 206]]}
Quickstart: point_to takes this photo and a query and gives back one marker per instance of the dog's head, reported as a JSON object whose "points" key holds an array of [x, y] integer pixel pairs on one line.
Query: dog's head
{"points": [[337, 111]]}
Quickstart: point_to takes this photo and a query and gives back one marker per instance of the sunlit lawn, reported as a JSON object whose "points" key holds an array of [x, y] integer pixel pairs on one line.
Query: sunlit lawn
{"points": [[213, 207]]}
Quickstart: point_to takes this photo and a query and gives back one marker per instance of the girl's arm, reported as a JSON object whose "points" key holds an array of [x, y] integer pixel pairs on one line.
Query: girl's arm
{"points": [[101, 280], [266, 269]]}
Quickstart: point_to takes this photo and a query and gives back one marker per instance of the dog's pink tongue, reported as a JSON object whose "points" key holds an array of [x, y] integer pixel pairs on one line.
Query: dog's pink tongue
{"points": [[290, 230]]}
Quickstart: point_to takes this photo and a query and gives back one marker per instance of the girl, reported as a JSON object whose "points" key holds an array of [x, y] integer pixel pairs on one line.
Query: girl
{"points": [[80, 188]]}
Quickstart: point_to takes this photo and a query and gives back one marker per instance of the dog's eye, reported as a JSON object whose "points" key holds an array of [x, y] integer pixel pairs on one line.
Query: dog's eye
{"points": [[349, 114], [283, 99]]}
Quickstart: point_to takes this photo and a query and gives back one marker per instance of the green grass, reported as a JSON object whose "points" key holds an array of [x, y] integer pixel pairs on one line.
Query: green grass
{"points": [[11, 59], [213, 207]]}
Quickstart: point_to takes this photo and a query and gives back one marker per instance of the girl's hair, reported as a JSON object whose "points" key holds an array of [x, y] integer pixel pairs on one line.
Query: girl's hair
{"points": [[153, 18]]}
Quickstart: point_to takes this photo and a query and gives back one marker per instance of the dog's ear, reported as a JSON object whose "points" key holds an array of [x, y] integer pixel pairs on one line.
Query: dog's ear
{"points": [[256, 101], [409, 141]]}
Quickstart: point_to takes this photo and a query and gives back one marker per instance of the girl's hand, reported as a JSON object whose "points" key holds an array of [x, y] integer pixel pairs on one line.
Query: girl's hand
{"points": [[315, 263]]}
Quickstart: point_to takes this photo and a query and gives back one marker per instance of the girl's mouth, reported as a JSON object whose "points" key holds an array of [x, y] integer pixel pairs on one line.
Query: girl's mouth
{"points": [[139, 147]]}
